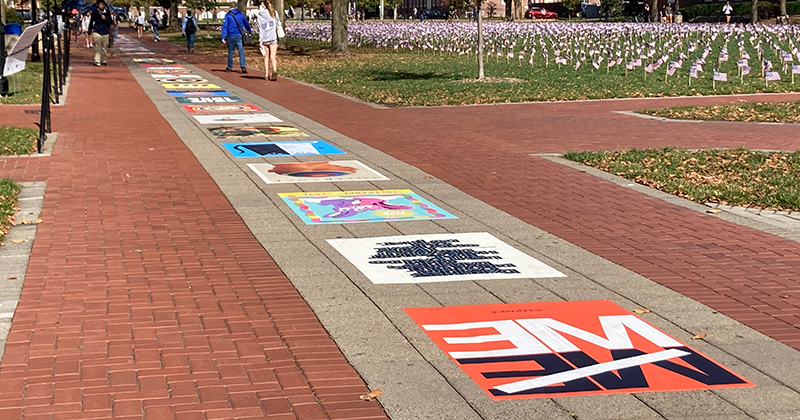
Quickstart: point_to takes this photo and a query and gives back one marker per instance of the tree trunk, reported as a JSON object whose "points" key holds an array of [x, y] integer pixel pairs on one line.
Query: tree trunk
{"points": [[754, 11], [653, 10], [173, 15], [509, 10], [339, 27], [518, 9], [279, 9], [783, 8], [394, 12], [480, 41], [381, 9]]}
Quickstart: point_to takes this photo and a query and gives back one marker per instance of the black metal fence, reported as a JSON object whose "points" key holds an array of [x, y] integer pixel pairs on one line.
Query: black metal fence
{"points": [[55, 60]]}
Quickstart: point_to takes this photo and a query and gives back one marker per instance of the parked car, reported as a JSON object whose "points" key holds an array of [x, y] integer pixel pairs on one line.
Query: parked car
{"points": [[433, 14], [540, 13]]}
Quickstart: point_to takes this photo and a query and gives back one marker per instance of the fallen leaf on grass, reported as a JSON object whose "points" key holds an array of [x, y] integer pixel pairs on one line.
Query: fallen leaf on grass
{"points": [[700, 336], [372, 395], [714, 211], [641, 311], [18, 241]]}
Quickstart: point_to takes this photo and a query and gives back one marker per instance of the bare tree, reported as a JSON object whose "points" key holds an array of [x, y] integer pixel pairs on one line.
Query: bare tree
{"points": [[754, 11], [509, 10], [783, 8], [480, 40], [174, 23], [653, 10], [518, 9], [339, 27]]}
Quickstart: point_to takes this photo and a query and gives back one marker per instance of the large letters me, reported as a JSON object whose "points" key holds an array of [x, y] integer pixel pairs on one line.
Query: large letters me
{"points": [[551, 349]]}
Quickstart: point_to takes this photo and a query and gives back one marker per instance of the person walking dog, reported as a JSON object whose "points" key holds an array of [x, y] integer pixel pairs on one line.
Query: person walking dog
{"points": [[100, 26], [269, 30], [234, 28]]}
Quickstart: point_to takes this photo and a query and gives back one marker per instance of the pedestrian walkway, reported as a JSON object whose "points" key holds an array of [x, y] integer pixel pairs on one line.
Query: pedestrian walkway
{"points": [[146, 297], [384, 321]]}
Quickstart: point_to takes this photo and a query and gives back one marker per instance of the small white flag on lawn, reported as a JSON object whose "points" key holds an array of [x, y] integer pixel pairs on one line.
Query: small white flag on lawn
{"points": [[795, 68], [720, 77], [745, 70], [772, 76], [693, 72]]}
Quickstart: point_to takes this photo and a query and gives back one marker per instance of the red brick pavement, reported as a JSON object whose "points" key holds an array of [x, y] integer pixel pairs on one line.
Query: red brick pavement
{"points": [[485, 151], [146, 296]]}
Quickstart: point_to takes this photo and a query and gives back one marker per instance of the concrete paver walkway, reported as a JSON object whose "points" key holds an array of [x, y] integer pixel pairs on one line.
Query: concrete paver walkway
{"points": [[146, 297]]}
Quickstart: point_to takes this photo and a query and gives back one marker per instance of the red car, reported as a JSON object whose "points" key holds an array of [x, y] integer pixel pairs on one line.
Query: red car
{"points": [[540, 13]]}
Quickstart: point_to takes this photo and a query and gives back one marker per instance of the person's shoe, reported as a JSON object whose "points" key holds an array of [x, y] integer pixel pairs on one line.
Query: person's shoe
{"points": [[228, 70], [274, 76], [103, 64], [97, 64], [244, 70], [266, 76]]}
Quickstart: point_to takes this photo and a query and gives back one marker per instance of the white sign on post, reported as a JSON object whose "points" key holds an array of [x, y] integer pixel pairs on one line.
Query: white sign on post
{"points": [[15, 62]]}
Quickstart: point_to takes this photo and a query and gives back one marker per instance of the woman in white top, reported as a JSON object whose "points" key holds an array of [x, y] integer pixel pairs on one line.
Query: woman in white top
{"points": [[727, 9], [139, 22], [85, 20], [268, 24]]}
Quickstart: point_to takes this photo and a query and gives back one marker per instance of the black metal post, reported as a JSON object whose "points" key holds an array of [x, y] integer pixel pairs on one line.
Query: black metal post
{"points": [[35, 57], [3, 80], [68, 30], [44, 112], [62, 72], [51, 35]]}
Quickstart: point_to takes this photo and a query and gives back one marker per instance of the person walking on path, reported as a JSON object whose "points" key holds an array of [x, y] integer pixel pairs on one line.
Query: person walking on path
{"points": [[188, 29], [100, 26], [233, 27], [268, 32], [139, 23], [86, 19], [727, 9], [154, 24]]}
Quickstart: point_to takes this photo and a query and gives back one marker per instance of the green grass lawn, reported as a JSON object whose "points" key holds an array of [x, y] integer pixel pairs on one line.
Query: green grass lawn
{"points": [[26, 86], [417, 78], [740, 177], [8, 201], [783, 112], [17, 141]]}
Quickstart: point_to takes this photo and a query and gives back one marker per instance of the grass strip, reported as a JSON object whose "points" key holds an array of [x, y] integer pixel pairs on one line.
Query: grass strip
{"points": [[8, 202], [17, 140], [741, 177], [25, 87], [781, 112]]}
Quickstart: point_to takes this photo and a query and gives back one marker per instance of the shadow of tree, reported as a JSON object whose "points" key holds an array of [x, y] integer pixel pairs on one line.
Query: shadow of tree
{"points": [[386, 75]]}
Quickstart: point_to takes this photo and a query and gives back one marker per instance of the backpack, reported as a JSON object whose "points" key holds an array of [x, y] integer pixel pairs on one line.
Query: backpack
{"points": [[190, 26]]}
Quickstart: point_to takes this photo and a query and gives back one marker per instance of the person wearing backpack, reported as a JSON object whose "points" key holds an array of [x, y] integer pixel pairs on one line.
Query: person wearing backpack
{"points": [[269, 30], [189, 29], [234, 28], [154, 25]]}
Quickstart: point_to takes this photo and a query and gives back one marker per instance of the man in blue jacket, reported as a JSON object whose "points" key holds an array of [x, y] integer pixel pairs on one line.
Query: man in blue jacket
{"points": [[232, 29], [100, 27]]}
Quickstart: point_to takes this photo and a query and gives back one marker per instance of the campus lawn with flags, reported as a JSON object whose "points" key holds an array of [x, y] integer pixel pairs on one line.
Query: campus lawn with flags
{"points": [[718, 176], [782, 112], [435, 63]]}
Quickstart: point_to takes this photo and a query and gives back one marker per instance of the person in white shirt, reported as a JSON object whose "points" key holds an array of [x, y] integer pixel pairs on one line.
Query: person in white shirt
{"points": [[727, 9], [269, 29], [139, 22]]}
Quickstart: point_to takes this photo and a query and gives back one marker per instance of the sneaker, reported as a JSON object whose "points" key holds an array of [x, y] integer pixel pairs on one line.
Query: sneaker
{"points": [[227, 70], [274, 76], [97, 64], [244, 70], [103, 64]]}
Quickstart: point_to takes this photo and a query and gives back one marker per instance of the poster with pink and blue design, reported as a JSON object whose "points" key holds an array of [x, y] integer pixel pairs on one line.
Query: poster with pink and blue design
{"points": [[317, 208]]}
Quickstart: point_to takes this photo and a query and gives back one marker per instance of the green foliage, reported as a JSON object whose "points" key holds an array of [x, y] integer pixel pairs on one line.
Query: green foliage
{"points": [[13, 17], [766, 10], [611, 8], [781, 112], [26, 86], [572, 5], [739, 177]]}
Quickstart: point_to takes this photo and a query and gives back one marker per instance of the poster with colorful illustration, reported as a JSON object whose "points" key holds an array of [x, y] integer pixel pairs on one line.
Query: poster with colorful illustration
{"points": [[163, 67], [153, 60], [210, 108], [301, 172], [220, 92], [209, 100], [262, 131], [237, 119], [565, 349], [316, 208], [187, 76], [179, 80], [440, 257], [179, 86], [282, 148], [173, 72]]}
